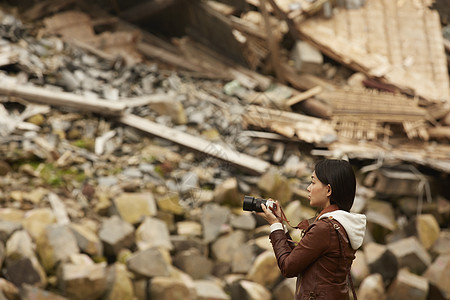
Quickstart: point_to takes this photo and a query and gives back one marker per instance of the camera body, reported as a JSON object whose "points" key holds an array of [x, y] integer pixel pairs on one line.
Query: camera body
{"points": [[254, 204]]}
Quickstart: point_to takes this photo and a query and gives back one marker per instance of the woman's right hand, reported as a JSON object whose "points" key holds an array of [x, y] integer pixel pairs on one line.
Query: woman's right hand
{"points": [[272, 215]]}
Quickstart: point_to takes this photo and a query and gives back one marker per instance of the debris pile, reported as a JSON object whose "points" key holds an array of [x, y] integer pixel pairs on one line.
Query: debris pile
{"points": [[125, 158]]}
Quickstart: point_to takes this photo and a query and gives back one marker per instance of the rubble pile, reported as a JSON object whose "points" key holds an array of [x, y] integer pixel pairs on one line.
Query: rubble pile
{"points": [[125, 160]]}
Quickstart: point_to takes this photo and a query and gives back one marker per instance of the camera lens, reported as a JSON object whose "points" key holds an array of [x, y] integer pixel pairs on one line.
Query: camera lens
{"points": [[253, 204]]}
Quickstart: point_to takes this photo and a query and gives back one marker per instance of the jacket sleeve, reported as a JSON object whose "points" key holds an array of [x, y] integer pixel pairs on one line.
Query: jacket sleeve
{"points": [[314, 243]]}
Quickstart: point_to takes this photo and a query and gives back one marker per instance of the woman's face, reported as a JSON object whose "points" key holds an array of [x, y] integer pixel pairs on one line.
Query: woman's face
{"points": [[318, 193]]}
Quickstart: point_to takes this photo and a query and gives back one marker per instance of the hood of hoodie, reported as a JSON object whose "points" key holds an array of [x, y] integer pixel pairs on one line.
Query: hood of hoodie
{"points": [[354, 225]]}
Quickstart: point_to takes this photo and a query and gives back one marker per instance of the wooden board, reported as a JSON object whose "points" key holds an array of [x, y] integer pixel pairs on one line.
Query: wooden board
{"points": [[44, 96], [209, 148]]}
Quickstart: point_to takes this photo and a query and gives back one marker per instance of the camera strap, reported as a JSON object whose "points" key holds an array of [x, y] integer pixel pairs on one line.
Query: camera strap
{"points": [[302, 225]]}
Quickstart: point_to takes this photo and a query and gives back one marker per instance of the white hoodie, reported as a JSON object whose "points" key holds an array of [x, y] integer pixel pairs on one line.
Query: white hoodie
{"points": [[354, 225]]}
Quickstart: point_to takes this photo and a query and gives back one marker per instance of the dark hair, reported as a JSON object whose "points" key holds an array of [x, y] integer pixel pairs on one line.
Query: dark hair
{"points": [[340, 176]]}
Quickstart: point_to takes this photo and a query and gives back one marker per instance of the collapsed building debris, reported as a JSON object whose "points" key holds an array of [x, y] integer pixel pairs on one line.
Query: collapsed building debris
{"points": [[399, 42], [126, 200]]}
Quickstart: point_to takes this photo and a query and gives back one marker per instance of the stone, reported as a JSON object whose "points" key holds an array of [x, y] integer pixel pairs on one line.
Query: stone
{"points": [[442, 244], [360, 268], [11, 214], [224, 247], [276, 186], [7, 228], [9, 290], [307, 58], [36, 195], [295, 167], [381, 260], [170, 203], [372, 288], [265, 270], [141, 287], [56, 244], [189, 228], [168, 218], [296, 212], [36, 220], [182, 243], [438, 273], [24, 270], [167, 288], [396, 183], [263, 243], [427, 229], [173, 108], [153, 233], [248, 290], [408, 286], [410, 253], [148, 263], [381, 213], [134, 207], [29, 292], [213, 219], [21, 263], [115, 235], [285, 289], [246, 221], [227, 193], [190, 260], [87, 240], [5, 168], [186, 279], [188, 182], [161, 154], [207, 289], [243, 258], [90, 276], [119, 283]]}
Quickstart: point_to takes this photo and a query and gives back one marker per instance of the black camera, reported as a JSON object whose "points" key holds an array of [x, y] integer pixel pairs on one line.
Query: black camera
{"points": [[254, 204]]}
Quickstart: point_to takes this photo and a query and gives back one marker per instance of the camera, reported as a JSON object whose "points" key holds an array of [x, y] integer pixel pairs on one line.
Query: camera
{"points": [[254, 204]]}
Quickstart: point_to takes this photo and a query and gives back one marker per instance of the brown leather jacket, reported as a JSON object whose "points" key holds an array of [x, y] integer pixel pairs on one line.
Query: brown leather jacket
{"points": [[317, 260]]}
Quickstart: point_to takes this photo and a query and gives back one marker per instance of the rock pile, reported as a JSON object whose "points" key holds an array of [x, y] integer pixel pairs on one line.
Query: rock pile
{"points": [[92, 209]]}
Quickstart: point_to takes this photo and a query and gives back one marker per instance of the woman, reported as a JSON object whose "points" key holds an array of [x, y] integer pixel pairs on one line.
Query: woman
{"points": [[323, 257]]}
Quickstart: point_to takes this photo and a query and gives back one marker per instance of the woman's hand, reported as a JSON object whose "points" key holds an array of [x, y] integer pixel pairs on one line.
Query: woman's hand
{"points": [[271, 215]]}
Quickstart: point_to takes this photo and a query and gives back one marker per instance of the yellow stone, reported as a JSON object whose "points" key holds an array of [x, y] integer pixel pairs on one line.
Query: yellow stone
{"points": [[427, 230]]}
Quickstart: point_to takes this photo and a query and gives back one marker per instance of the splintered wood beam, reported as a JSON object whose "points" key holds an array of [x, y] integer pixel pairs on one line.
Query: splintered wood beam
{"points": [[272, 43], [303, 96], [56, 98], [244, 161]]}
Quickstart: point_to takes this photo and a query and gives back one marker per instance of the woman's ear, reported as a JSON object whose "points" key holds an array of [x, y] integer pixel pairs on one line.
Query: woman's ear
{"points": [[328, 190]]}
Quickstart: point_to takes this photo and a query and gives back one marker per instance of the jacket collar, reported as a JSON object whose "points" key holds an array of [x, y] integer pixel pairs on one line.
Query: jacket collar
{"points": [[330, 208]]}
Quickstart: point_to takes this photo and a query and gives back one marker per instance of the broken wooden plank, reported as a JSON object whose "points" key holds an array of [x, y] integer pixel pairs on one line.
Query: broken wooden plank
{"points": [[315, 108], [44, 96], [216, 150], [303, 96], [272, 43], [290, 124], [439, 132]]}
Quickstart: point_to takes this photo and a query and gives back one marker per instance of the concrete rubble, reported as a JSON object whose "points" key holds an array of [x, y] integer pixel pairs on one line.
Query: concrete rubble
{"points": [[125, 159]]}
